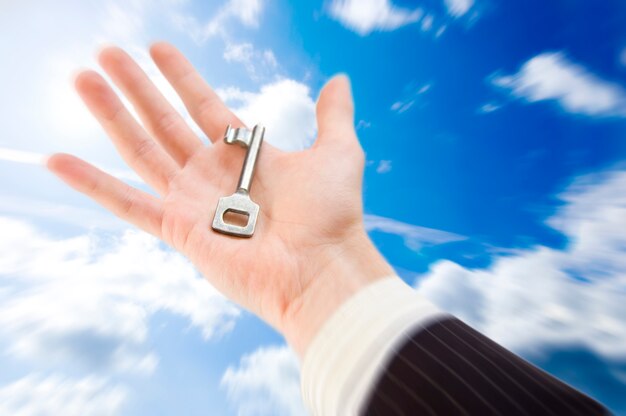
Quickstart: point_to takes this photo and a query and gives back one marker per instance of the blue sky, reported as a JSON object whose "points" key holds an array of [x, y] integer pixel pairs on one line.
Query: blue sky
{"points": [[495, 184]]}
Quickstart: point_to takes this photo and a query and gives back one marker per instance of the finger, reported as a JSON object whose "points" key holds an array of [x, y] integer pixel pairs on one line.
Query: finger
{"points": [[138, 149], [159, 117], [128, 203], [335, 113], [204, 105]]}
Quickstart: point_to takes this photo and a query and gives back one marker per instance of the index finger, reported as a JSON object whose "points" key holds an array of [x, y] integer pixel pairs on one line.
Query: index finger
{"points": [[203, 104]]}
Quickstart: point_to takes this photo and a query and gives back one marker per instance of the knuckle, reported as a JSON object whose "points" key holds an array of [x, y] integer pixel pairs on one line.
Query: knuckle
{"points": [[127, 203], [165, 123], [206, 106], [143, 149], [93, 187]]}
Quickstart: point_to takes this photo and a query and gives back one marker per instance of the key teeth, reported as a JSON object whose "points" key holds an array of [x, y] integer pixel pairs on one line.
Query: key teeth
{"points": [[240, 136], [229, 134]]}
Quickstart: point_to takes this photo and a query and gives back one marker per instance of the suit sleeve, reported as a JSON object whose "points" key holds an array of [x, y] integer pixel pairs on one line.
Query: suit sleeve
{"points": [[388, 351]]}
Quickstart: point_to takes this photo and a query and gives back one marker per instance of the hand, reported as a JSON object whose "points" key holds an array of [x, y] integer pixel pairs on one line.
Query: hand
{"points": [[309, 251]]}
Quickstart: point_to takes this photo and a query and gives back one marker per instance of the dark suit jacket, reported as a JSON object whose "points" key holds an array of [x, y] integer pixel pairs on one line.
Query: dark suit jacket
{"points": [[447, 368]]}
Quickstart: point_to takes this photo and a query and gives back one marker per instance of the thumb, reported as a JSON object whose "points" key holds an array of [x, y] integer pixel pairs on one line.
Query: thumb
{"points": [[335, 112]]}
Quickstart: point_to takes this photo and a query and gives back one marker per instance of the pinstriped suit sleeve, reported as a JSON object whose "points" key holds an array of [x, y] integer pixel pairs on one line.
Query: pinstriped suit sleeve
{"points": [[388, 351]]}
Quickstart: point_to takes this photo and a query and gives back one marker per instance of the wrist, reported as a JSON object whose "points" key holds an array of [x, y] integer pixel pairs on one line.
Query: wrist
{"points": [[343, 269]]}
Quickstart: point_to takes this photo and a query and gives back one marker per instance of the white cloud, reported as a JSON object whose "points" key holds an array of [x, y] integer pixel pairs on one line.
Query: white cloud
{"points": [[427, 22], [241, 52], [53, 395], [87, 300], [552, 76], [124, 21], [270, 58], [39, 159], [384, 166], [400, 106], [285, 107], [363, 124], [246, 12], [365, 16], [441, 31], [458, 8], [20, 156], [424, 88], [266, 382], [65, 114], [489, 108], [411, 96], [257, 63], [40, 209], [543, 296], [414, 236]]}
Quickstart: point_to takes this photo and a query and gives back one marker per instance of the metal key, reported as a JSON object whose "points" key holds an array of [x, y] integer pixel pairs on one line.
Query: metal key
{"points": [[240, 202]]}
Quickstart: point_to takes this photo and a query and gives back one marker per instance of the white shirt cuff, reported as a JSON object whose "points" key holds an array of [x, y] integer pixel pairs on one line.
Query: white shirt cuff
{"points": [[347, 355]]}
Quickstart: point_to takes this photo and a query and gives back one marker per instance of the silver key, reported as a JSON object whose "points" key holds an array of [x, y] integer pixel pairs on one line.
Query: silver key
{"points": [[240, 202]]}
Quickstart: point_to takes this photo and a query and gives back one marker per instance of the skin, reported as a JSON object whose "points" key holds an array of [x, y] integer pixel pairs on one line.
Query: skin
{"points": [[309, 252]]}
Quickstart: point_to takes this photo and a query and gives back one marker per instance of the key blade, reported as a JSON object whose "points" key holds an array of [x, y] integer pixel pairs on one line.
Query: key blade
{"points": [[239, 203]]}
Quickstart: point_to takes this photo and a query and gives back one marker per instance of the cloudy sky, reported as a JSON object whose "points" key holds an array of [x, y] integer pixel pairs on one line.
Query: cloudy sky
{"points": [[495, 135]]}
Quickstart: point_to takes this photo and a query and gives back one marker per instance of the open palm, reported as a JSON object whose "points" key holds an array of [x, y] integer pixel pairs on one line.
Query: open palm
{"points": [[310, 200]]}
